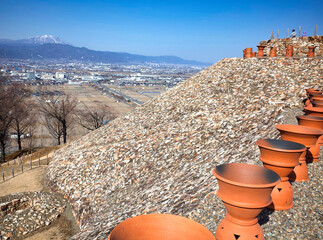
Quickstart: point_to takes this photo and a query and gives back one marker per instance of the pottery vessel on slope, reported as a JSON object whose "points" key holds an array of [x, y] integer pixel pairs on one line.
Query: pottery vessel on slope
{"points": [[311, 51], [289, 51], [316, 99], [317, 104], [304, 135], [281, 157], [160, 227], [314, 111], [245, 190], [248, 53], [312, 121], [273, 52], [260, 51]]}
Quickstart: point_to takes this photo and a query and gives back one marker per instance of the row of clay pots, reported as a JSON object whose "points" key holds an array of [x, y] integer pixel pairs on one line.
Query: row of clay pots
{"points": [[248, 53], [244, 189]]}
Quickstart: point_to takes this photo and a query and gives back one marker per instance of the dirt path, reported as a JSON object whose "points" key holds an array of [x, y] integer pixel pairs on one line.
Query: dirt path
{"points": [[32, 180]]}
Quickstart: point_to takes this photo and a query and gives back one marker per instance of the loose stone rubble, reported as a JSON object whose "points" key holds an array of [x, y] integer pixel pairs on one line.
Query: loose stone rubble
{"points": [[24, 213], [159, 158]]}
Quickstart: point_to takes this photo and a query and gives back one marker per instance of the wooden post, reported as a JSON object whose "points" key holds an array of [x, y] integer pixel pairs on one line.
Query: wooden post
{"points": [[315, 30], [19, 160], [3, 176], [272, 35], [38, 162], [47, 159], [31, 164], [22, 168], [299, 31], [278, 34], [288, 32], [12, 172]]}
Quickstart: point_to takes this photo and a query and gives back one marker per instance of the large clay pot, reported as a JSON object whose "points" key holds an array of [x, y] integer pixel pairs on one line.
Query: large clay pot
{"points": [[248, 53], [304, 135], [314, 111], [244, 53], [260, 51], [281, 157], [314, 122], [317, 104], [273, 52], [245, 190], [289, 51], [160, 227], [311, 51], [316, 99], [312, 90], [254, 54]]}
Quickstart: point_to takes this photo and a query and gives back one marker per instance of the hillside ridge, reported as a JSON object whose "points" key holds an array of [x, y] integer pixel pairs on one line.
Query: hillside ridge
{"points": [[159, 158]]}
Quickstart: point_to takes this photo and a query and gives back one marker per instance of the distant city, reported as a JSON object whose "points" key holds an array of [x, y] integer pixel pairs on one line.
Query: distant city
{"points": [[33, 72]]}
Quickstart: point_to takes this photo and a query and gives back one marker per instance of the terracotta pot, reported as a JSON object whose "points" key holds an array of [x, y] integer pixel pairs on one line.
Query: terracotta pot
{"points": [[260, 51], [316, 99], [273, 52], [311, 51], [317, 104], [304, 135], [245, 190], [244, 53], [314, 111], [281, 157], [254, 54], [289, 51], [248, 53], [312, 90], [314, 122], [159, 227]]}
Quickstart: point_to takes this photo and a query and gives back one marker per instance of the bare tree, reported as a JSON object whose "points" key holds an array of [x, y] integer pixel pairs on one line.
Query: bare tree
{"points": [[95, 117], [8, 101], [60, 109], [23, 118], [54, 128]]}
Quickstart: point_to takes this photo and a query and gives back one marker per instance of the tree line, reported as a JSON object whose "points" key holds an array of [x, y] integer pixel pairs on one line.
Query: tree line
{"points": [[19, 114]]}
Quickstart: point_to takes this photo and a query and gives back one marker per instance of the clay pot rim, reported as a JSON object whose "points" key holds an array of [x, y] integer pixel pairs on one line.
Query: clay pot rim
{"points": [[299, 129], [163, 217], [316, 94], [310, 117], [275, 176], [314, 109], [264, 143], [316, 99]]}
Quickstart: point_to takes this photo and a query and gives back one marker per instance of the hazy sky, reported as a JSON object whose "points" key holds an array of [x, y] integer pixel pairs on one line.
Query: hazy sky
{"points": [[198, 30]]}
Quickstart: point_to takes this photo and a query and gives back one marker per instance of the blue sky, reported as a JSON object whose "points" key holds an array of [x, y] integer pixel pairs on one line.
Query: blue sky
{"points": [[199, 30]]}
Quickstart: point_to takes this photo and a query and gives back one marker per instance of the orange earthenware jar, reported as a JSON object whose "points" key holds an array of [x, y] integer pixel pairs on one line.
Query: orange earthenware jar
{"points": [[314, 122], [273, 52], [248, 53], [317, 104], [304, 135], [311, 51], [314, 111], [316, 99], [281, 157], [245, 191], [289, 51], [260, 51], [160, 227], [312, 90]]}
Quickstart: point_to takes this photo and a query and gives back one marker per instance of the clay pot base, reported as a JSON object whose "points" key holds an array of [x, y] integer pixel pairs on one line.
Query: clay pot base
{"points": [[228, 230], [282, 196], [300, 172]]}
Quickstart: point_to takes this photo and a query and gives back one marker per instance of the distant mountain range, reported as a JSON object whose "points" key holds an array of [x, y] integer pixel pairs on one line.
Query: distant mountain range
{"points": [[49, 47]]}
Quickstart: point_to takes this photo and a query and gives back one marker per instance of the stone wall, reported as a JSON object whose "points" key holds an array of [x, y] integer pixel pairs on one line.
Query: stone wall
{"points": [[300, 44]]}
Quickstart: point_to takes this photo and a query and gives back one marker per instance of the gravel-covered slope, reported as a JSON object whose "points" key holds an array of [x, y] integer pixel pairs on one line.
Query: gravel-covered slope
{"points": [[159, 158]]}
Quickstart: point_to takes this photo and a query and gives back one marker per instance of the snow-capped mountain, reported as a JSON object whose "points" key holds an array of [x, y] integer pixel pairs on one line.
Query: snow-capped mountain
{"points": [[35, 40], [46, 39]]}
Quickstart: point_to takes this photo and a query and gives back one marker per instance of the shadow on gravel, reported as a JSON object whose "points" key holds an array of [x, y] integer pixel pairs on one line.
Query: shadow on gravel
{"points": [[263, 217]]}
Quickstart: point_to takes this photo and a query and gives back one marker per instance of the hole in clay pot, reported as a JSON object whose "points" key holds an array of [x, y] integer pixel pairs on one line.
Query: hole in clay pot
{"points": [[222, 227], [256, 236], [236, 236], [279, 189]]}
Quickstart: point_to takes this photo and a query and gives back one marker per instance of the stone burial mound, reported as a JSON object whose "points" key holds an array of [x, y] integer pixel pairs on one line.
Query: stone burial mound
{"points": [[159, 158]]}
